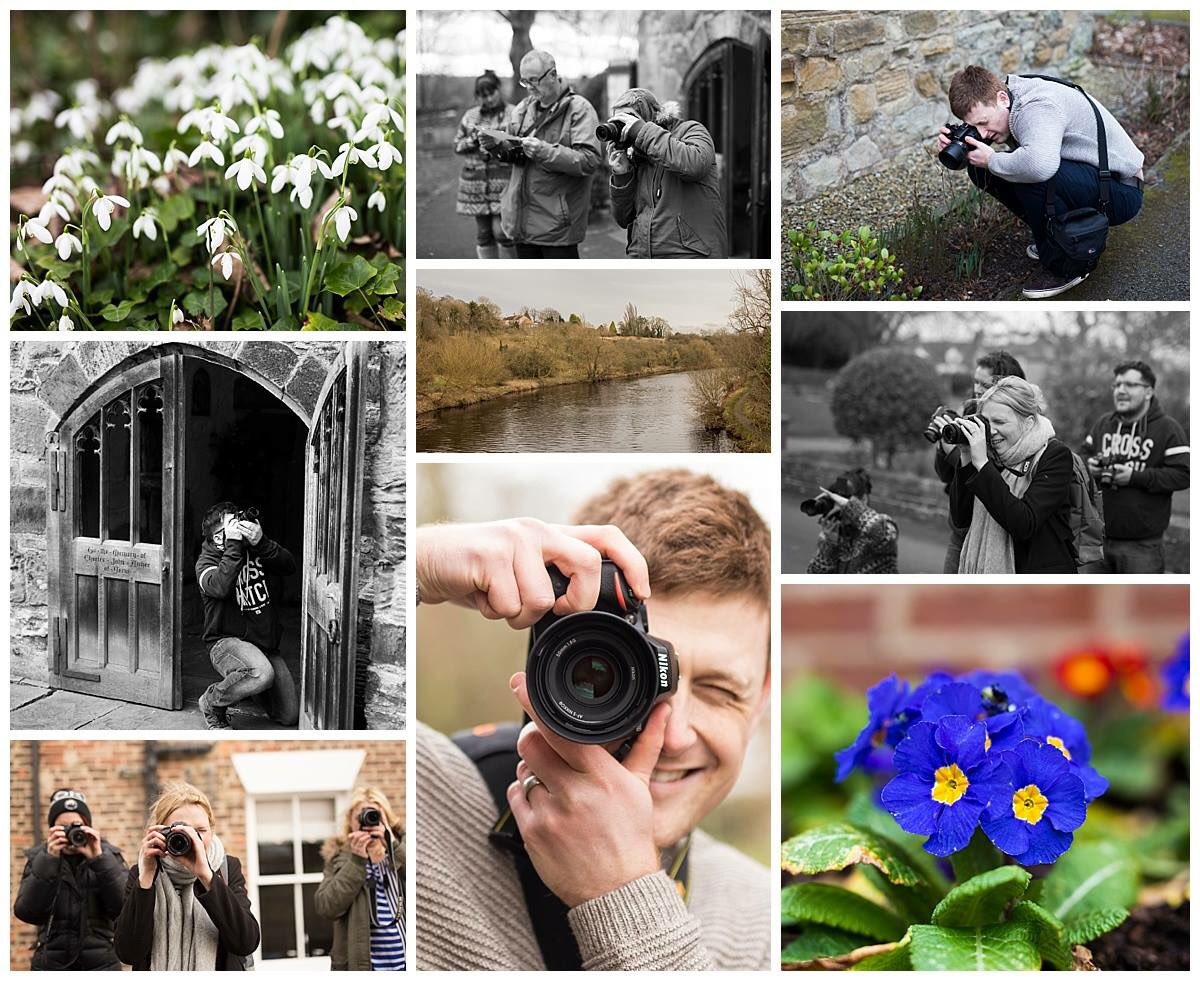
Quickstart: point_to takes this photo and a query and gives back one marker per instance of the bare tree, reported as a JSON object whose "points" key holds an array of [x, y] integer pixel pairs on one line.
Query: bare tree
{"points": [[630, 322]]}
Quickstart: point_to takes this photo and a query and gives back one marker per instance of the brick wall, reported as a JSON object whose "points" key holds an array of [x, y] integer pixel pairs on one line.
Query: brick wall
{"points": [[111, 774], [859, 634]]}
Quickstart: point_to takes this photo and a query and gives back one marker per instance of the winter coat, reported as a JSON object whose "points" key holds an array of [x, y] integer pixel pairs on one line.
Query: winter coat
{"points": [[484, 176], [1157, 448], [227, 905], [671, 203], [73, 901], [858, 539], [345, 897], [237, 596], [1038, 523], [546, 201]]}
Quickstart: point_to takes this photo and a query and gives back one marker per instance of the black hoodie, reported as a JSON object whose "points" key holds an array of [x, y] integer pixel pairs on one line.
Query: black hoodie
{"points": [[1157, 448], [237, 599]]}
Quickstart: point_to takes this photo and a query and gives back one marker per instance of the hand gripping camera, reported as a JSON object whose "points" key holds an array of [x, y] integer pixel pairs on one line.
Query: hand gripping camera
{"points": [[593, 677], [179, 842], [953, 432], [77, 837], [369, 817], [954, 156], [246, 514], [852, 483], [1107, 464]]}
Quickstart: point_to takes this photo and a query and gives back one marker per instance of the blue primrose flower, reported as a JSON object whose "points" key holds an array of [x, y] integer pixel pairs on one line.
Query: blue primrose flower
{"points": [[1049, 724], [1177, 677], [945, 779], [1033, 820], [884, 702], [1001, 718]]}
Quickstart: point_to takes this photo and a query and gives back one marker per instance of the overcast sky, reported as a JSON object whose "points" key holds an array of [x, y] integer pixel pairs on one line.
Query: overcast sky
{"points": [[689, 300]]}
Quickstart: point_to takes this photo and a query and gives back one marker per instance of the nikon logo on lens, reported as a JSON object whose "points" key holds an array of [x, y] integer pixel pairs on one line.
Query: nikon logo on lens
{"points": [[594, 676]]}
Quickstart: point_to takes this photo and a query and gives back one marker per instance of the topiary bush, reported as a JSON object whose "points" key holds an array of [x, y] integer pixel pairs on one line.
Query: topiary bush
{"points": [[886, 396]]}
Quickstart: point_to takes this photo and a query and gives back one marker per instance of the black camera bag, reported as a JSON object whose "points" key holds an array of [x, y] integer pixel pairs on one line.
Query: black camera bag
{"points": [[1082, 233]]}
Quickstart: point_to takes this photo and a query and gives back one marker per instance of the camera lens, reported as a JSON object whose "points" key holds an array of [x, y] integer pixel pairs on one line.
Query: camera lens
{"points": [[592, 678], [179, 843], [77, 836], [369, 817], [954, 157], [607, 131]]}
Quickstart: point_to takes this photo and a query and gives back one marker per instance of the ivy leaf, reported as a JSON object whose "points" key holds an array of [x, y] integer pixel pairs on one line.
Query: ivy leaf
{"points": [[196, 303], [249, 320], [285, 323], [318, 321], [816, 902], [389, 280], [834, 846], [391, 309], [348, 275], [142, 288], [1048, 933], [115, 314], [1091, 876], [173, 210], [982, 899], [820, 941], [1094, 924], [998, 947]]}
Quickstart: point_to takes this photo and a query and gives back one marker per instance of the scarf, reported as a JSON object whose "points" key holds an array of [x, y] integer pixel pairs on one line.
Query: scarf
{"points": [[988, 548], [185, 938], [393, 890]]}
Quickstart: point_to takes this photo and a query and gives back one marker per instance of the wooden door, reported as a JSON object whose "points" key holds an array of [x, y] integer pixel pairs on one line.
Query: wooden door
{"points": [[332, 522], [113, 539]]}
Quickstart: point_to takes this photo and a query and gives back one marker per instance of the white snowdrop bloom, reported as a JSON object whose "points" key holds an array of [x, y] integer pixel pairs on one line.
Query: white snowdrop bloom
{"points": [[351, 154], [197, 119], [64, 201], [173, 159], [65, 244], [53, 208], [281, 175], [339, 83], [268, 120], [245, 171], [255, 145], [207, 151], [303, 193], [304, 166], [22, 151], [386, 155], [58, 182], [73, 162], [87, 186], [341, 220], [65, 323], [176, 314], [144, 159], [80, 120], [221, 127], [36, 228], [224, 261], [377, 200], [123, 129], [41, 107], [380, 113], [161, 185], [213, 232], [102, 208], [23, 293], [50, 290], [146, 224]]}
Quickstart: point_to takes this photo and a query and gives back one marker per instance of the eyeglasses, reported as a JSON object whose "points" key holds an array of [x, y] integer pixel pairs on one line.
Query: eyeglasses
{"points": [[528, 83], [1123, 384]]}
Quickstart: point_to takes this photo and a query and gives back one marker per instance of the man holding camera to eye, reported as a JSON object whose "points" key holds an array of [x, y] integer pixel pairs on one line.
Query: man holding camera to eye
{"points": [[1139, 456], [586, 854], [554, 152], [1055, 164], [855, 538], [241, 623], [72, 889], [664, 187]]}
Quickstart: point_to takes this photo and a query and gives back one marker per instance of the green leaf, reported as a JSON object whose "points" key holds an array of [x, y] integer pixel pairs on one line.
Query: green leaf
{"points": [[816, 902], [979, 856], [1091, 876], [391, 309], [285, 323], [249, 320], [982, 899], [821, 941], [1048, 933], [834, 846], [318, 321], [196, 303], [118, 313], [142, 288], [390, 280], [899, 958], [62, 271], [999, 947], [100, 240], [173, 210], [348, 275], [1094, 924]]}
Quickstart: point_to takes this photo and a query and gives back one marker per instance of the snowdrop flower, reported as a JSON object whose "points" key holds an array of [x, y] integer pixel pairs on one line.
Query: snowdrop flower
{"points": [[281, 174], [59, 182], [221, 127], [386, 154], [173, 159], [195, 119], [176, 314], [381, 112], [304, 194], [80, 120], [341, 220], [224, 261], [254, 144], [245, 171], [102, 208], [67, 243], [65, 323], [207, 151], [49, 290], [306, 165], [22, 294], [213, 231], [36, 228], [54, 207], [73, 161], [123, 130], [146, 224], [351, 154], [268, 120], [377, 200]]}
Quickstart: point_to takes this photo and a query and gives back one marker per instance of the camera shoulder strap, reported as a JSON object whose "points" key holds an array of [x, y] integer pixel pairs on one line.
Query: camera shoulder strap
{"points": [[1101, 146]]}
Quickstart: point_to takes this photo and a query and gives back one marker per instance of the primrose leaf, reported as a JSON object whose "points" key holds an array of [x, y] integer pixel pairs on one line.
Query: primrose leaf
{"points": [[1048, 933], [1094, 924], [816, 902], [318, 321], [834, 846], [1091, 876], [997, 947], [899, 958], [983, 899], [821, 941], [348, 275]]}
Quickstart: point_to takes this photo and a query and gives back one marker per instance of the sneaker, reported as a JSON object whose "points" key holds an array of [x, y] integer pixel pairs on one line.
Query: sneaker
{"points": [[1044, 284], [215, 716], [1032, 252]]}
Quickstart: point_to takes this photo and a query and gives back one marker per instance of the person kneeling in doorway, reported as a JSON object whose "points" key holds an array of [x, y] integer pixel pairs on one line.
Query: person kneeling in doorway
{"points": [[241, 624]]}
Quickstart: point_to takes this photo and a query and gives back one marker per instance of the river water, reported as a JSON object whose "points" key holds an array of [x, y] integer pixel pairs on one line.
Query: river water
{"points": [[649, 415]]}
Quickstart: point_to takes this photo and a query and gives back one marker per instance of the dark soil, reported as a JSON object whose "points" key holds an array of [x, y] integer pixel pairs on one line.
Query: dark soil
{"points": [[1154, 938]]}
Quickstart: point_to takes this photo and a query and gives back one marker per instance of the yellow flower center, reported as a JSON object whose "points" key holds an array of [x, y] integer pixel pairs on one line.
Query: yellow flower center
{"points": [[1058, 744], [949, 784], [987, 743], [1029, 804]]}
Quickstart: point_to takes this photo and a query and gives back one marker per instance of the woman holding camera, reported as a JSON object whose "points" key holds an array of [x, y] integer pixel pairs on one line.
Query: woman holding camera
{"points": [[186, 907], [363, 889], [1012, 488]]}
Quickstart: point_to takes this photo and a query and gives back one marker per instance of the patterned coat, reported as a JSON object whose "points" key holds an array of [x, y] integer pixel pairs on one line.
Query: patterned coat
{"points": [[484, 176], [857, 539]]}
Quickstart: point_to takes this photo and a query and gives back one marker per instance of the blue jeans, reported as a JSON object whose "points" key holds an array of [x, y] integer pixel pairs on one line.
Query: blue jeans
{"points": [[1134, 555], [1076, 185], [246, 672]]}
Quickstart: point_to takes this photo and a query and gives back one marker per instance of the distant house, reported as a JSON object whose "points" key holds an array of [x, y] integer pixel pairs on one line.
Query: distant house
{"points": [[518, 321]]}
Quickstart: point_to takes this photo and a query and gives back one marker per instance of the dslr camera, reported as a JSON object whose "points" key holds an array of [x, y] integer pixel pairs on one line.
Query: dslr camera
{"points": [[611, 131], [179, 842], [933, 432], [77, 837], [370, 817], [1107, 464], [852, 483], [954, 156], [595, 676], [246, 514], [953, 432]]}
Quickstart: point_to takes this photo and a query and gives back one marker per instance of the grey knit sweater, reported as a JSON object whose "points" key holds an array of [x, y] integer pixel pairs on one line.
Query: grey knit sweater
{"points": [[1052, 122], [471, 914]]}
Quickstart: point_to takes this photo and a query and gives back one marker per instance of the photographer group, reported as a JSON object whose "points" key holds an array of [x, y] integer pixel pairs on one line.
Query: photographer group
{"points": [[528, 171], [183, 905]]}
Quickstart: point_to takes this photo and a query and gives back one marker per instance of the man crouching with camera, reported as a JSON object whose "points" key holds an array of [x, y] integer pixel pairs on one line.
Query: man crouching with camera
{"points": [[574, 844], [1060, 179], [664, 186], [71, 890]]}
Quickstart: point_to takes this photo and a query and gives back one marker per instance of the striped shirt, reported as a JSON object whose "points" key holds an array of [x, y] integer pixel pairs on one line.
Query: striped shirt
{"points": [[387, 939]]}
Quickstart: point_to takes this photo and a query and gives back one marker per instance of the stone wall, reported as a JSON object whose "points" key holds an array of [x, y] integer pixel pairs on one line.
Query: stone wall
{"points": [[860, 88], [669, 42]]}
